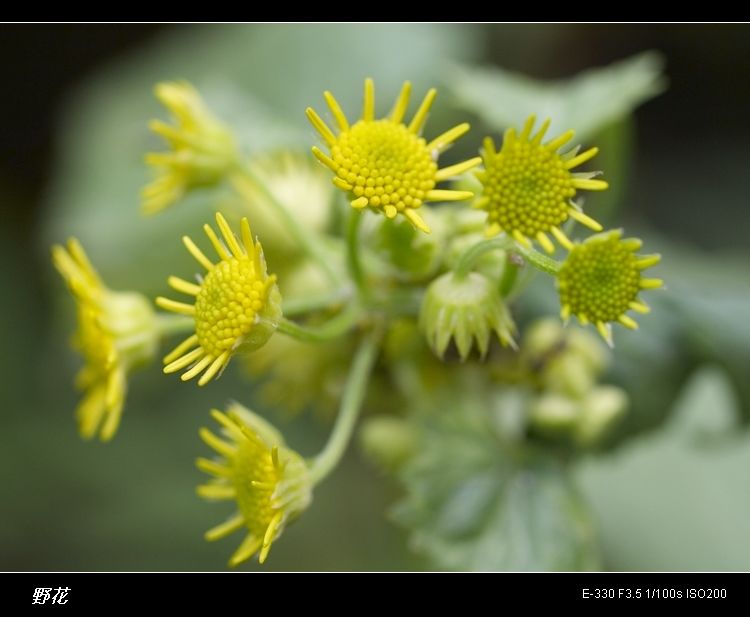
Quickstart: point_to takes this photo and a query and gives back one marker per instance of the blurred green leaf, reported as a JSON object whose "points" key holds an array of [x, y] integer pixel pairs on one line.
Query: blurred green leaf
{"points": [[471, 505], [705, 306], [587, 102], [677, 500]]}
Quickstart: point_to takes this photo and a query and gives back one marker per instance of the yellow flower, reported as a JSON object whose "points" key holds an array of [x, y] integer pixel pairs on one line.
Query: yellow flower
{"points": [[268, 481], [237, 304], [385, 164], [116, 332], [600, 281], [201, 151], [529, 186]]}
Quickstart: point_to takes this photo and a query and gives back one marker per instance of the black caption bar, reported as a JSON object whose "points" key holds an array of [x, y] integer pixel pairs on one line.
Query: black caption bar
{"points": [[55, 591]]}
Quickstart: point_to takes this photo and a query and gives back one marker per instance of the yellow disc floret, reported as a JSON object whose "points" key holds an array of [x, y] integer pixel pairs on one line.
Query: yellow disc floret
{"points": [[227, 306], [269, 482], [600, 281], [528, 186], [237, 304], [386, 165]]}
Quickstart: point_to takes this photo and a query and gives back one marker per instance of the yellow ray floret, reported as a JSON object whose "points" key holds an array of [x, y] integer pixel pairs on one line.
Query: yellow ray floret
{"points": [[600, 281], [385, 164], [268, 481], [529, 186], [117, 331], [236, 304]]}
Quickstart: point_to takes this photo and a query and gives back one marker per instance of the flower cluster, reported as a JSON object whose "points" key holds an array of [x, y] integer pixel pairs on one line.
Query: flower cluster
{"points": [[374, 300]]}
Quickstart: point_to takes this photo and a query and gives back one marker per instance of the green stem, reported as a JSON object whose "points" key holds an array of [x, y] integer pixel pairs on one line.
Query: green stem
{"points": [[174, 324], [351, 403], [536, 259], [332, 329], [353, 258], [315, 302], [309, 241], [504, 243], [509, 276], [472, 254]]}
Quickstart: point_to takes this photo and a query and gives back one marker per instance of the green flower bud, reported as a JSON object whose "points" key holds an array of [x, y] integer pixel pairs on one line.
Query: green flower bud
{"points": [[466, 309], [600, 410], [567, 360], [554, 413]]}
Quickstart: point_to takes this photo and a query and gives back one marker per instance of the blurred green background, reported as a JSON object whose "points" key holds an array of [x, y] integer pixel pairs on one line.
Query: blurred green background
{"points": [[670, 489]]}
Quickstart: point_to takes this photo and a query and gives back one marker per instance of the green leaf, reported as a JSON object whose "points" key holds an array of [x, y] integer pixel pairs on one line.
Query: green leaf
{"points": [[678, 499], [699, 318], [587, 102], [470, 505]]}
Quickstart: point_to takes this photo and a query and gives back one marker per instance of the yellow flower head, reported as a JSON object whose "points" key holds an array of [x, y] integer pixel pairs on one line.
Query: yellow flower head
{"points": [[600, 281], [116, 332], [268, 481], [385, 164], [237, 304], [529, 185], [201, 151]]}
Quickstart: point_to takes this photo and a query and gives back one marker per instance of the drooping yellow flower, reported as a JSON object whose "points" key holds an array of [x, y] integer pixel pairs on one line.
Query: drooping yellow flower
{"points": [[529, 186], [269, 482], [201, 152], [385, 164], [117, 331], [237, 304], [601, 278]]}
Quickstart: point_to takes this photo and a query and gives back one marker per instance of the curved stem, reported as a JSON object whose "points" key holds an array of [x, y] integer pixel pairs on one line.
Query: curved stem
{"points": [[353, 258], [505, 243], [351, 403], [332, 329], [309, 242], [469, 258], [536, 259]]}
